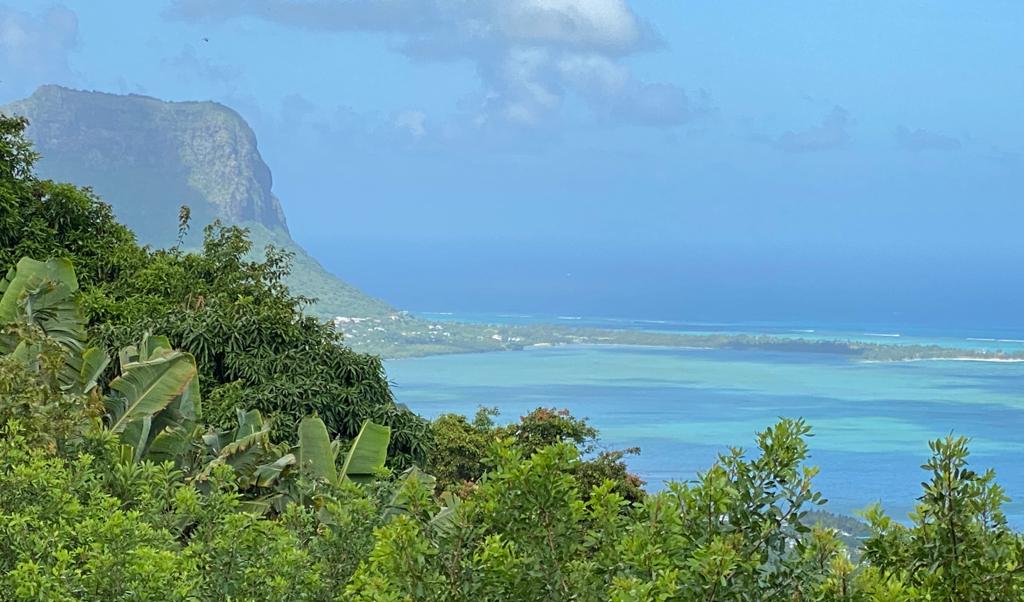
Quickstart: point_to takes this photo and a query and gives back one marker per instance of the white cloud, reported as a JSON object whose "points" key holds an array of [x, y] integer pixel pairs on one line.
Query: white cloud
{"points": [[530, 54], [606, 24]]}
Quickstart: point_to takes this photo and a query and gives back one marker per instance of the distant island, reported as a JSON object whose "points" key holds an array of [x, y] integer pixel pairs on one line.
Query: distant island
{"points": [[401, 335]]}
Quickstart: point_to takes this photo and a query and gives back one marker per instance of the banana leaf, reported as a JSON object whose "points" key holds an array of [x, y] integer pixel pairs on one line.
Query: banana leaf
{"points": [[368, 453], [315, 457]]}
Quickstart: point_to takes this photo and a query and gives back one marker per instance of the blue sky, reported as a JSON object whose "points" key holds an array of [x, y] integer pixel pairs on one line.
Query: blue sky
{"points": [[778, 159]]}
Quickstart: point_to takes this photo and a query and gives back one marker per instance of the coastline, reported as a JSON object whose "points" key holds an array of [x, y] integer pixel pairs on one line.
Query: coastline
{"points": [[416, 338]]}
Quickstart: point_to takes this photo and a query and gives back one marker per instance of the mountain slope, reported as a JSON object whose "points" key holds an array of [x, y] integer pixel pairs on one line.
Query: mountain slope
{"points": [[147, 157]]}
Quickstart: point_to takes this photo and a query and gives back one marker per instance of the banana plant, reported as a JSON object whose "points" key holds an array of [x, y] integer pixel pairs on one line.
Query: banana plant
{"points": [[314, 460], [243, 448], [154, 404], [41, 296]]}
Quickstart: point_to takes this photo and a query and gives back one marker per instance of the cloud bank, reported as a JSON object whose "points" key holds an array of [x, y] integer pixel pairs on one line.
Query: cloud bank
{"points": [[530, 55]]}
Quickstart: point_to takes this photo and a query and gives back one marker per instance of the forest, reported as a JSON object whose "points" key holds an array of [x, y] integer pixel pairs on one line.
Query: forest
{"points": [[174, 426]]}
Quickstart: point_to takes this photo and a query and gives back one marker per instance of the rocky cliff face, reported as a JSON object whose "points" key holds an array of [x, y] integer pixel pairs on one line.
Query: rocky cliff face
{"points": [[147, 157]]}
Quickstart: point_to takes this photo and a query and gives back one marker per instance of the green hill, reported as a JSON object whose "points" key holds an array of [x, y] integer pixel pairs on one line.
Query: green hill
{"points": [[147, 157]]}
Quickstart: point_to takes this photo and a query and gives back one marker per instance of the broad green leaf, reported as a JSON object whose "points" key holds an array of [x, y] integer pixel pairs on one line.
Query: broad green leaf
{"points": [[94, 362], [154, 404], [136, 434], [43, 294], [29, 275], [169, 444], [268, 474], [368, 453], [444, 519], [146, 388], [249, 422], [315, 457]]}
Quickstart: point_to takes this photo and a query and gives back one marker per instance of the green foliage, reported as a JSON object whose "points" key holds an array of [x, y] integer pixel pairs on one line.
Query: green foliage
{"points": [[544, 427], [527, 533], [16, 154], [62, 537], [315, 458], [958, 546], [368, 453], [48, 418], [40, 218], [112, 489], [460, 448], [253, 344], [154, 404], [254, 347]]}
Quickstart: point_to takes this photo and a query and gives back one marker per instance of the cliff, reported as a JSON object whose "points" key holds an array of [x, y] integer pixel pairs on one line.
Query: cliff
{"points": [[147, 157]]}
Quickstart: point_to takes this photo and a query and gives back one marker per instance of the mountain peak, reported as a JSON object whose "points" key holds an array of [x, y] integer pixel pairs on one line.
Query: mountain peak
{"points": [[149, 156]]}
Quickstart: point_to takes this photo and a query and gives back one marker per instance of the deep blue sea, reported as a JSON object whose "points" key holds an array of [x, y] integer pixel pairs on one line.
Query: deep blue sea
{"points": [[682, 407]]}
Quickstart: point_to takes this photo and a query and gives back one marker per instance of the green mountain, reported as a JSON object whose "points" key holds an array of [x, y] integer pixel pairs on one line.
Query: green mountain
{"points": [[147, 157]]}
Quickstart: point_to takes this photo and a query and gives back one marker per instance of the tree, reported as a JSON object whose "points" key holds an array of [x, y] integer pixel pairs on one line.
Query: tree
{"points": [[459, 448], [254, 346], [958, 546]]}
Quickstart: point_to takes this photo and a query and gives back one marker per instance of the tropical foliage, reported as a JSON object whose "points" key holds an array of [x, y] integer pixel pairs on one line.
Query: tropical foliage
{"points": [[460, 449], [253, 345], [194, 467]]}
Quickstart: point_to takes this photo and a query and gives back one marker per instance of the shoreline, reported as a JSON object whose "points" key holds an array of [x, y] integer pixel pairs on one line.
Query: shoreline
{"points": [[494, 338]]}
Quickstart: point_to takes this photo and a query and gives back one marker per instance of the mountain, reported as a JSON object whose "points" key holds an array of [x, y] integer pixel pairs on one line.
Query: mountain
{"points": [[147, 157]]}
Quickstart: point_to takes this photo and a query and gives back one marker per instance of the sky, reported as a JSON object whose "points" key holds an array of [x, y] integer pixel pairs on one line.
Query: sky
{"points": [[818, 160]]}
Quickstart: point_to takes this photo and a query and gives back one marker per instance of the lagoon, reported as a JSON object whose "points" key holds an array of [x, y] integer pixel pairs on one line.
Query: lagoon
{"points": [[871, 421]]}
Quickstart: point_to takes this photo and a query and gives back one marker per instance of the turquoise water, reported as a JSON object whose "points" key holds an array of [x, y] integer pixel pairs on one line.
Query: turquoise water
{"points": [[871, 421], [1009, 340]]}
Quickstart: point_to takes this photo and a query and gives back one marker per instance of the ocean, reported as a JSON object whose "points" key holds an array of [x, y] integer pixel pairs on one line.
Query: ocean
{"points": [[871, 421]]}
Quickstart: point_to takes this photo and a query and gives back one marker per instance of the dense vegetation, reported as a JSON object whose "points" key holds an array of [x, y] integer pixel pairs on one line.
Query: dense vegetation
{"points": [[254, 346], [173, 428]]}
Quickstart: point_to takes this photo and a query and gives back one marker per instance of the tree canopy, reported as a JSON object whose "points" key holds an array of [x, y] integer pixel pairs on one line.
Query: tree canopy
{"points": [[248, 332], [172, 427]]}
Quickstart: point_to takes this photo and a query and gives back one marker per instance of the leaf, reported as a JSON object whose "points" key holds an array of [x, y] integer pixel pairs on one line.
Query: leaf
{"points": [[444, 520], [136, 434], [29, 276], [169, 444], [368, 453], [268, 474], [315, 455], [157, 393], [148, 387], [94, 362], [249, 422], [43, 294], [410, 479]]}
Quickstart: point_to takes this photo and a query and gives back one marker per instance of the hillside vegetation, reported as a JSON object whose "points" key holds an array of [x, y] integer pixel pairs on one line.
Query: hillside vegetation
{"points": [[147, 157], [172, 427]]}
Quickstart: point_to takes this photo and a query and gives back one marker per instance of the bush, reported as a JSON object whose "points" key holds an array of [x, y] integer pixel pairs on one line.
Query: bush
{"points": [[460, 448]]}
